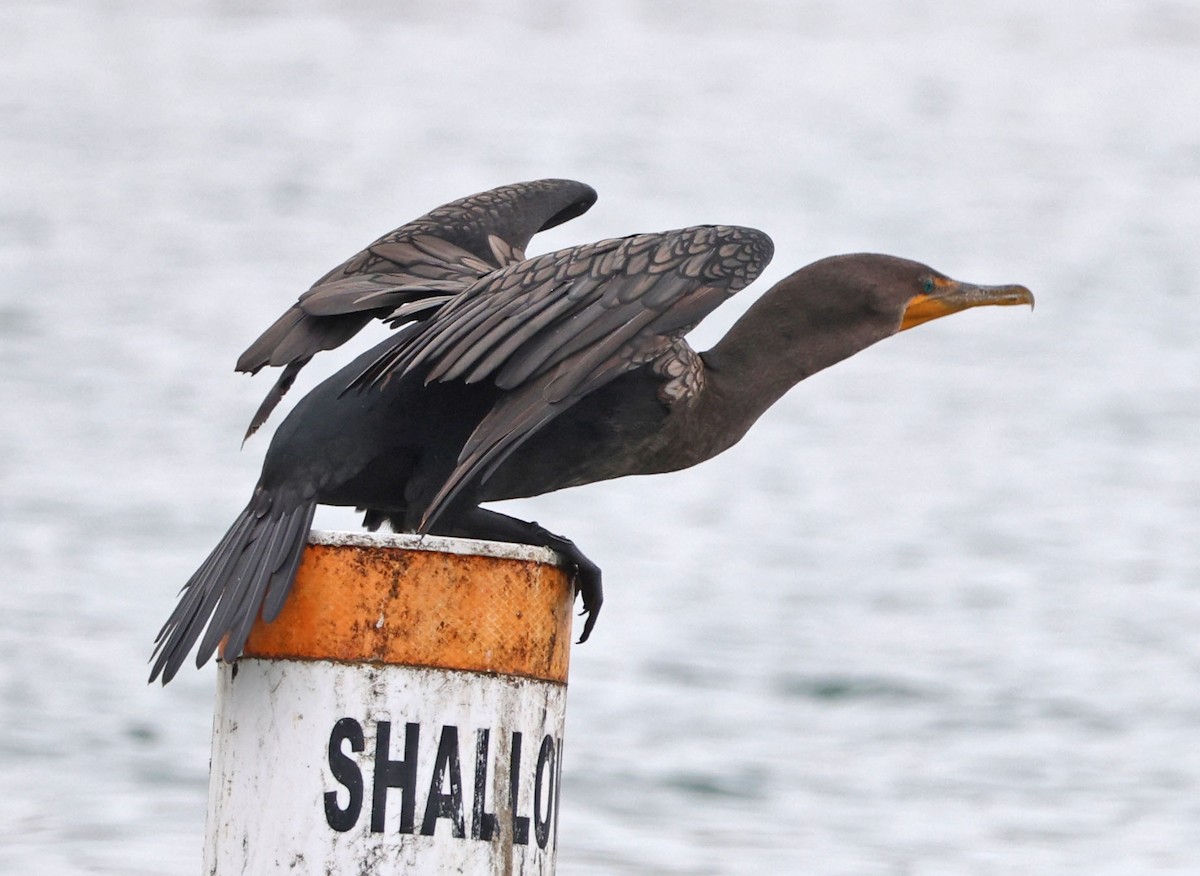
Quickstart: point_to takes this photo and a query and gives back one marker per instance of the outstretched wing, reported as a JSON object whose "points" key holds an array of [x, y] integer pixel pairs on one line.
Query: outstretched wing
{"points": [[552, 329], [409, 272]]}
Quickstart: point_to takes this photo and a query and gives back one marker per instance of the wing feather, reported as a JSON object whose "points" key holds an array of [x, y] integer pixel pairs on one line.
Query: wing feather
{"points": [[442, 252], [493, 340], [551, 329], [504, 345]]}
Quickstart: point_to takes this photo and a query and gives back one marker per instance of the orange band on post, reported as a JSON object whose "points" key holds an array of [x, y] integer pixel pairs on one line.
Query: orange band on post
{"points": [[401, 600]]}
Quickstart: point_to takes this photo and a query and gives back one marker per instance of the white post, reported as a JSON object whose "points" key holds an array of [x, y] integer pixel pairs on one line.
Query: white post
{"points": [[403, 714]]}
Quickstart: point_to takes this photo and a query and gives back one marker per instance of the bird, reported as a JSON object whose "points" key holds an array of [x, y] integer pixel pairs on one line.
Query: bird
{"points": [[548, 372]]}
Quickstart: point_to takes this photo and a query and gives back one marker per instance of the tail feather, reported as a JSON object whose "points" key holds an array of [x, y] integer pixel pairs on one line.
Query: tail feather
{"points": [[285, 573], [291, 529], [193, 595], [236, 599], [225, 593]]}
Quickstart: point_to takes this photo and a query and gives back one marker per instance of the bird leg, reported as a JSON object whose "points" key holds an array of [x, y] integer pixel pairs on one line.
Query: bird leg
{"points": [[492, 525]]}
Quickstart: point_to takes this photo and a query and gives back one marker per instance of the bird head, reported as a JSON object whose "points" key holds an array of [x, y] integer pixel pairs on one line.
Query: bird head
{"points": [[880, 295]]}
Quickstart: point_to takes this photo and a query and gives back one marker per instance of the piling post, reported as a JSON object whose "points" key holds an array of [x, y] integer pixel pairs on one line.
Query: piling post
{"points": [[403, 714]]}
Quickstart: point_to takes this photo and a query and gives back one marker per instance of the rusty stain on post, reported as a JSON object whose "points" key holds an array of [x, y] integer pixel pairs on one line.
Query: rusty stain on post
{"points": [[404, 600]]}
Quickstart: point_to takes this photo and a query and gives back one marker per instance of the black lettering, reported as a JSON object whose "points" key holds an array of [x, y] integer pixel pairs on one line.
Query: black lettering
{"points": [[450, 804], [483, 823], [400, 774], [345, 771], [520, 823], [541, 827], [557, 789]]}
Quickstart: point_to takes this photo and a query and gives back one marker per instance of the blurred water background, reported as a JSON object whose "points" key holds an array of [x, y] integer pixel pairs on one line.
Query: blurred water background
{"points": [[937, 614]]}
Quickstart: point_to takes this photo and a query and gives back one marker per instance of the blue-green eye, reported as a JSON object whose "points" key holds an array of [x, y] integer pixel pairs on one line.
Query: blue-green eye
{"points": [[927, 285]]}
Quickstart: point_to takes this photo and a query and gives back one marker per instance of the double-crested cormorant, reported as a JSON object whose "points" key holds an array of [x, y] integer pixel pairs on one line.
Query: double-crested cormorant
{"points": [[545, 373]]}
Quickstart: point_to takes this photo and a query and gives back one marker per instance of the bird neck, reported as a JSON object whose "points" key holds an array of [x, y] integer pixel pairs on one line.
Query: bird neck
{"points": [[779, 341]]}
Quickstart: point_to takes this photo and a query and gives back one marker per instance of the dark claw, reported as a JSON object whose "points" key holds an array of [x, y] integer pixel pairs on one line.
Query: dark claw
{"points": [[588, 587], [484, 523]]}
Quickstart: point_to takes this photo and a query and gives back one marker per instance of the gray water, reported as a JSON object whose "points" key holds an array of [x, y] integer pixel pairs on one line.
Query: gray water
{"points": [[937, 614]]}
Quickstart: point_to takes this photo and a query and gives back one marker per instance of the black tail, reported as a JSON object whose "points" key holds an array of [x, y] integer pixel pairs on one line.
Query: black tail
{"points": [[252, 567]]}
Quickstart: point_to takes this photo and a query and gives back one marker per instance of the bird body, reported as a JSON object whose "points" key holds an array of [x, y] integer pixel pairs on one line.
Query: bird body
{"points": [[537, 375]]}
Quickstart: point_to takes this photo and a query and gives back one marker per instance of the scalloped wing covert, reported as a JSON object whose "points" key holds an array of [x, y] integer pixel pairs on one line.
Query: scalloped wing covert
{"points": [[554, 328]]}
